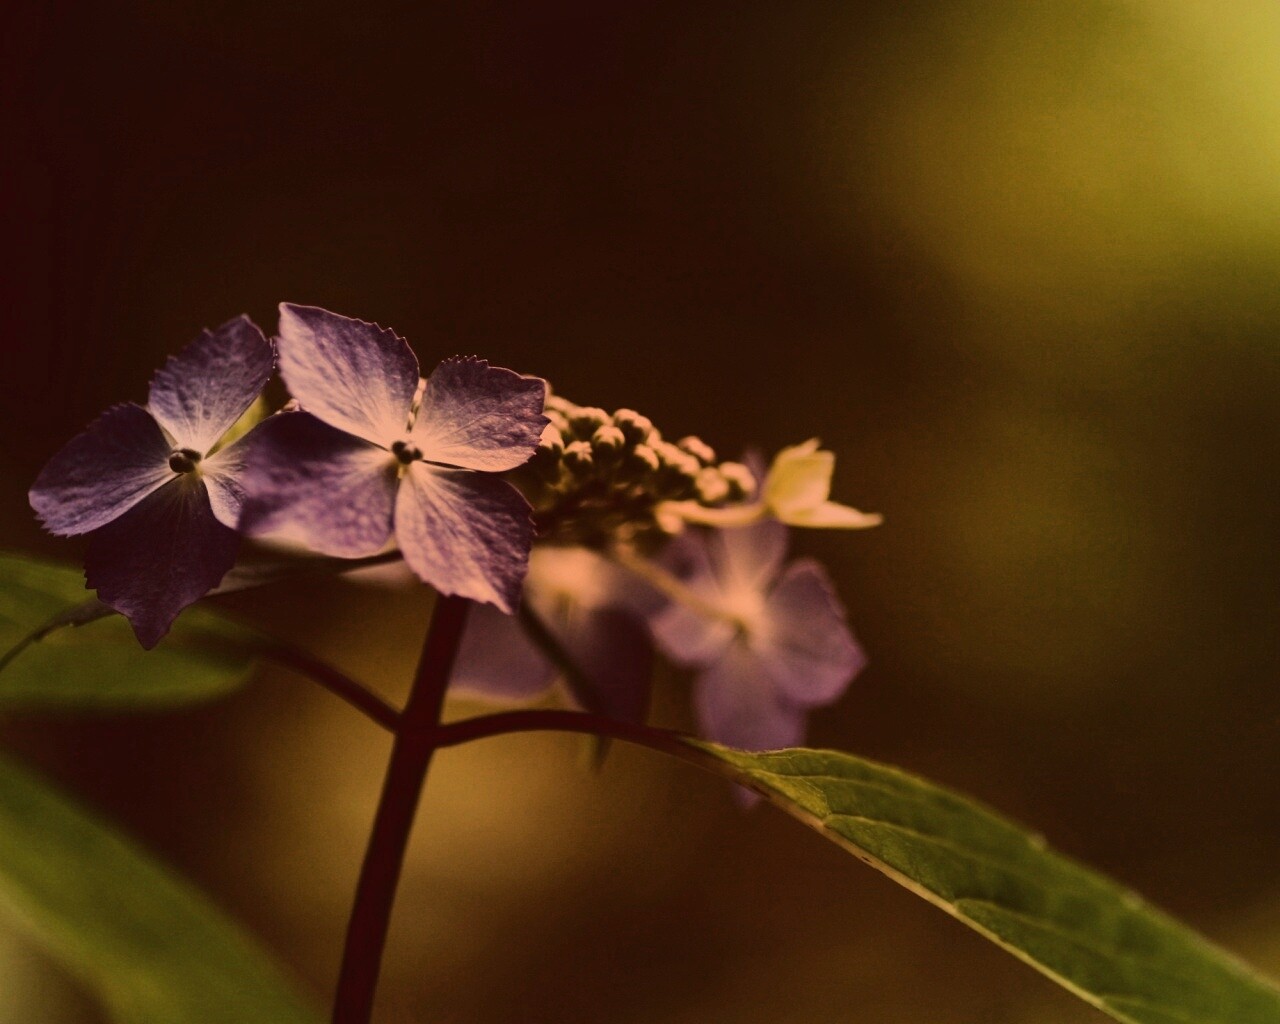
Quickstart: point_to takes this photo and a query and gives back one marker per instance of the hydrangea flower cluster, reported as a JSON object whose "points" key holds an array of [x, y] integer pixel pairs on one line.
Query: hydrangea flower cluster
{"points": [[609, 540]]}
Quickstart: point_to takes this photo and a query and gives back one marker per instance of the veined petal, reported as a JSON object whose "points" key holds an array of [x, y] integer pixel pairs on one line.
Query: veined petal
{"points": [[689, 637], [199, 393], [498, 660], [692, 635], [737, 704], [479, 416], [353, 375], [310, 483], [223, 474], [118, 460], [464, 533], [805, 643], [749, 557], [165, 553]]}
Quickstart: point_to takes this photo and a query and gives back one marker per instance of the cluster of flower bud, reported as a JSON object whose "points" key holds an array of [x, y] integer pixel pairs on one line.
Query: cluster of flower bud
{"points": [[599, 477]]}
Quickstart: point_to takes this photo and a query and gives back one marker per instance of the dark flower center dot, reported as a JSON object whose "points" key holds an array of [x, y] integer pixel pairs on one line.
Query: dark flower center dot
{"points": [[183, 460], [406, 452]]}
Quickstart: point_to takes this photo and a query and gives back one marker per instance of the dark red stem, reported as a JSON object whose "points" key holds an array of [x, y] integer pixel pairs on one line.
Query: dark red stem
{"points": [[555, 720], [365, 701], [415, 743]]}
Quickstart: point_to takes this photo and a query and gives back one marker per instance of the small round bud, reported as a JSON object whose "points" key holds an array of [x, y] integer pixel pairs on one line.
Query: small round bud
{"points": [[184, 460], [698, 448], [676, 458], [406, 452], [577, 458], [558, 420], [642, 461], [669, 523], [711, 485], [545, 464], [741, 481], [552, 440], [635, 428], [546, 457], [561, 406], [679, 470], [608, 443], [586, 421]]}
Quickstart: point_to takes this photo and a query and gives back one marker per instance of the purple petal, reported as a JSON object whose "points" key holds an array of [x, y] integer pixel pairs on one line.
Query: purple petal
{"points": [[199, 393], [612, 649], [806, 644], [165, 553], [737, 704], [318, 486], [120, 458], [479, 416], [223, 472], [498, 660], [749, 557], [355, 376], [464, 533], [687, 635]]}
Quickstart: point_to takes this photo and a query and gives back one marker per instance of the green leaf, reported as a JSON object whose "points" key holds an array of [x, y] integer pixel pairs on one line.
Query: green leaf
{"points": [[151, 946], [100, 664], [1090, 935]]}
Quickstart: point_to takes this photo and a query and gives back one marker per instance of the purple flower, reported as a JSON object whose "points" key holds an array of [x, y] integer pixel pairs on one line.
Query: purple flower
{"points": [[369, 458], [160, 504], [769, 643], [595, 609]]}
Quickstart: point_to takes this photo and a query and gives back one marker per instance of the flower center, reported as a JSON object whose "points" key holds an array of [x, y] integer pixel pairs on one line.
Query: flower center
{"points": [[184, 460], [406, 452], [745, 607]]}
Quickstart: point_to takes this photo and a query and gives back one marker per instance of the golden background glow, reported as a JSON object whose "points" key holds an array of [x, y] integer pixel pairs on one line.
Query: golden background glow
{"points": [[1015, 263]]}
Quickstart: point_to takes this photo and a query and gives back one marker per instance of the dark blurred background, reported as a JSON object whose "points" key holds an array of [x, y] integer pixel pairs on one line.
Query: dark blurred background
{"points": [[1015, 263]]}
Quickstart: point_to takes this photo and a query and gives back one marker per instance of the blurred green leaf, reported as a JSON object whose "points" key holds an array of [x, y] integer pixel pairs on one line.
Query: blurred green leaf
{"points": [[151, 946], [1095, 938], [100, 664]]}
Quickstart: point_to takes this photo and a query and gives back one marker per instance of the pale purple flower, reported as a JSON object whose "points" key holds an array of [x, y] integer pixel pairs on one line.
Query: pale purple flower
{"points": [[159, 503], [368, 458], [595, 609], [769, 643]]}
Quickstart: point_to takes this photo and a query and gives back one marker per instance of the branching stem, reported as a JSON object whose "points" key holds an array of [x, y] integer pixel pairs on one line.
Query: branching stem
{"points": [[503, 723], [415, 743], [359, 697]]}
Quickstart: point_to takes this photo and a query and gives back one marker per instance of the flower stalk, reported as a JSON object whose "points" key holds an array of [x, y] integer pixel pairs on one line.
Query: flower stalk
{"points": [[416, 741]]}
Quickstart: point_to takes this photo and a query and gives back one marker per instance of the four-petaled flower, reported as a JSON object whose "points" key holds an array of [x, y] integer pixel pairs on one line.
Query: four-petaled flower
{"points": [[159, 499], [371, 456], [769, 644]]}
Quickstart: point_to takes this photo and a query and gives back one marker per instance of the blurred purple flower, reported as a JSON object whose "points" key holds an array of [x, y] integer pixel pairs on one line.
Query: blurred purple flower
{"points": [[595, 609], [159, 503], [769, 643], [364, 459]]}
